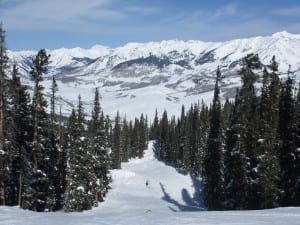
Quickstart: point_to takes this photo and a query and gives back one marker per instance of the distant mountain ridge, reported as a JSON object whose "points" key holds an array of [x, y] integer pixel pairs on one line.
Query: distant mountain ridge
{"points": [[166, 74]]}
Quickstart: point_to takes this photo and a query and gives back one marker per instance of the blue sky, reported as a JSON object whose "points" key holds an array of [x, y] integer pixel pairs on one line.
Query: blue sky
{"points": [[35, 24]]}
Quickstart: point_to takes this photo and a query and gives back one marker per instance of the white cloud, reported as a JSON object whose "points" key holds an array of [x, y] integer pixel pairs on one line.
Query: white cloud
{"points": [[58, 14]]}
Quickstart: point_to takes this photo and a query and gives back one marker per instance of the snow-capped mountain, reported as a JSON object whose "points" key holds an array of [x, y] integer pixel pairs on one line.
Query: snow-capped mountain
{"points": [[140, 77]]}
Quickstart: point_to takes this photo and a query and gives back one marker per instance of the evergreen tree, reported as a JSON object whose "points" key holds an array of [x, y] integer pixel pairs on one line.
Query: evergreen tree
{"points": [[164, 142], [266, 183], [79, 194], [142, 129], [41, 149], [3, 93], [56, 159], [99, 151], [203, 135], [19, 135], [241, 156], [236, 183], [154, 131], [213, 165], [116, 144], [126, 136], [289, 149]]}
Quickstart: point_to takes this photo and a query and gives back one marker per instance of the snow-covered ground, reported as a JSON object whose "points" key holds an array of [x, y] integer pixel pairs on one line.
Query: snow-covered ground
{"points": [[170, 198]]}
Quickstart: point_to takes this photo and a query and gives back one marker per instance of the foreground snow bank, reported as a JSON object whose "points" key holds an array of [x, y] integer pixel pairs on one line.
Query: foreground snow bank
{"points": [[170, 198]]}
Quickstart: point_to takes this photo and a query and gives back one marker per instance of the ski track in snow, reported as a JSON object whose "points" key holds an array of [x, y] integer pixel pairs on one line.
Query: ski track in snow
{"points": [[170, 198]]}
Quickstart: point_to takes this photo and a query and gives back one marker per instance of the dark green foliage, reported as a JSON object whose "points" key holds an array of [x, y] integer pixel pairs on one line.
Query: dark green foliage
{"points": [[20, 135], [41, 146], [267, 179], [99, 152], [213, 164], [288, 131], [78, 195], [3, 111], [236, 191], [116, 144]]}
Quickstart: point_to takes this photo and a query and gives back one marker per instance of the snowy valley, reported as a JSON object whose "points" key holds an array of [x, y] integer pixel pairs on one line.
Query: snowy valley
{"points": [[140, 77]]}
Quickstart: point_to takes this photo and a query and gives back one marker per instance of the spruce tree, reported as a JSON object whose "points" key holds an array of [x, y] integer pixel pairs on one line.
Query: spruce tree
{"points": [[266, 183], [116, 144], [289, 148], [79, 194], [236, 182], [41, 149], [99, 152], [164, 142], [126, 136], [154, 131], [56, 159], [3, 93], [213, 165], [19, 136], [142, 129]]}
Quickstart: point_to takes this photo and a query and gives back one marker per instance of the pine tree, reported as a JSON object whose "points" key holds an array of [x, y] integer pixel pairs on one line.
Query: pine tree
{"points": [[236, 184], [266, 183], [142, 129], [126, 136], [3, 153], [19, 135], [99, 152], [213, 165], [154, 131], [116, 144], [78, 195], [241, 156], [203, 135], [56, 157], [289, 149], [41, 144], [163, 149]]}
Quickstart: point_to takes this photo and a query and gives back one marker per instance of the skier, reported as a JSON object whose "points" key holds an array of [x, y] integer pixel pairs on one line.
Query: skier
{"points": [[147, 183]]}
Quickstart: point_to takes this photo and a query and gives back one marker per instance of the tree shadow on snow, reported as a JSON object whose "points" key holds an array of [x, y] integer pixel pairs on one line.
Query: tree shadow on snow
{"points": [[192, 203]]}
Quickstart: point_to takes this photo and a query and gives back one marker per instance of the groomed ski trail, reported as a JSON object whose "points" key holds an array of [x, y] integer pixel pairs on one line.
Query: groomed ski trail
{"points": [[168, 190]]}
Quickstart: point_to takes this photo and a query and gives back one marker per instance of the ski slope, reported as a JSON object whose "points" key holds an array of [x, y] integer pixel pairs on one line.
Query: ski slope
{"points": [[170, 198]]}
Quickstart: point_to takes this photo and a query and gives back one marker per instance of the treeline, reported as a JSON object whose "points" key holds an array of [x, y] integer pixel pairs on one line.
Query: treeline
{"points": [[48, 162], [248, 150]]}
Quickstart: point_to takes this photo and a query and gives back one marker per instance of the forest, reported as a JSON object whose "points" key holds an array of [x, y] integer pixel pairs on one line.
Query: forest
{"points": [[247, 150]]}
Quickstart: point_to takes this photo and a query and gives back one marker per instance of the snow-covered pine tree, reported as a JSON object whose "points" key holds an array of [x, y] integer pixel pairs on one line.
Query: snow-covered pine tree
{"points": [[99, 152], [79, 195], [214, 160], [236, 183], [56, 160], [266, 183], [19, 135], [249, 131], [41, 146]]}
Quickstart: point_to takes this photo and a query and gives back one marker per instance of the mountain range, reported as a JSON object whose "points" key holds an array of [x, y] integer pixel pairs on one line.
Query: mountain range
{"points": [[141, 77]]}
